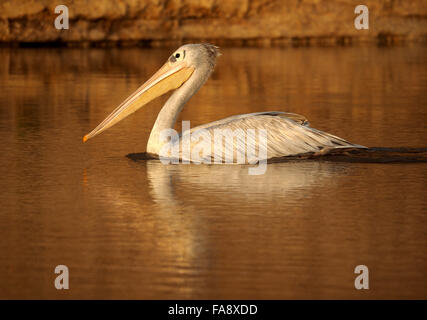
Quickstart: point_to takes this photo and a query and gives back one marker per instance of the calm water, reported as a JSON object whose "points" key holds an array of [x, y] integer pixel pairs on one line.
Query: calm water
{"points": [[144, 230]]}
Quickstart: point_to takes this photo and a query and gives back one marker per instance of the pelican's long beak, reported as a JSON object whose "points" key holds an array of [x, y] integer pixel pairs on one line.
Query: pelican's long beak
{"points": [[169, 77]]}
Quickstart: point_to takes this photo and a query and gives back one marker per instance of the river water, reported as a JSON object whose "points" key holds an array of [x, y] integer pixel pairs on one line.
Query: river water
{"points": [[143, 230]]}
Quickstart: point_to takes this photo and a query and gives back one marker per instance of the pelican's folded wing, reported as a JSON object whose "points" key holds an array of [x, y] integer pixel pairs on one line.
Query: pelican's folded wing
{"points": [[287, 134], [293, 116]]}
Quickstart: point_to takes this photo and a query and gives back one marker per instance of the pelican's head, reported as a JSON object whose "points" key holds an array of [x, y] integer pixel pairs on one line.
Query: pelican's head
{"points": [[196, 55], [174, 73]]}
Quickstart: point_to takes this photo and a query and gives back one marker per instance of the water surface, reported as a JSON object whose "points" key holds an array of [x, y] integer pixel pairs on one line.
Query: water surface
{"points": [[143, 230]]}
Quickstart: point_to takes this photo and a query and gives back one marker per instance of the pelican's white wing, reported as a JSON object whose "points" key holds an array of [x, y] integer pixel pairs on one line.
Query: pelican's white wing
{"points": [[287, 134], [293, 116]]}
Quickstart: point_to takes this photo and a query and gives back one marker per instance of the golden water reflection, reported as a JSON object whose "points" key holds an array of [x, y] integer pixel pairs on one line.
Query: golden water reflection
{"points": [[131, 229]]}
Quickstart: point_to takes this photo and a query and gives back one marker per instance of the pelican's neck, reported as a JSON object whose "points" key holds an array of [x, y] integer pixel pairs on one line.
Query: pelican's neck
{"points": [[167, 116]]}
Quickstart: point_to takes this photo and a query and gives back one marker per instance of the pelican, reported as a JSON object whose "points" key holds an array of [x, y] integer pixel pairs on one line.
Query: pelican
{"points": [[185, 71]]}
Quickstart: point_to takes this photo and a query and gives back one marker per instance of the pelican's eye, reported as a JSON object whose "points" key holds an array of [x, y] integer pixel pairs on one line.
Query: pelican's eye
{"points": [[177, 56]]}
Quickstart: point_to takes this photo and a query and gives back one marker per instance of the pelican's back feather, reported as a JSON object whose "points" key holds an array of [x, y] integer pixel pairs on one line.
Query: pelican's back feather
{"points": [[287, 134]]}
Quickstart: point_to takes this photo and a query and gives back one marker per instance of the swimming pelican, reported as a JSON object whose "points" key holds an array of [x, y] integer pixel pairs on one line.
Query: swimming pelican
{"points": [[186, 70]]}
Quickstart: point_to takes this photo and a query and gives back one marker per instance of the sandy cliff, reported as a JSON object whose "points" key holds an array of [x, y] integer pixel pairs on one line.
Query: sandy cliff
{"points": [[258, 22]]}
